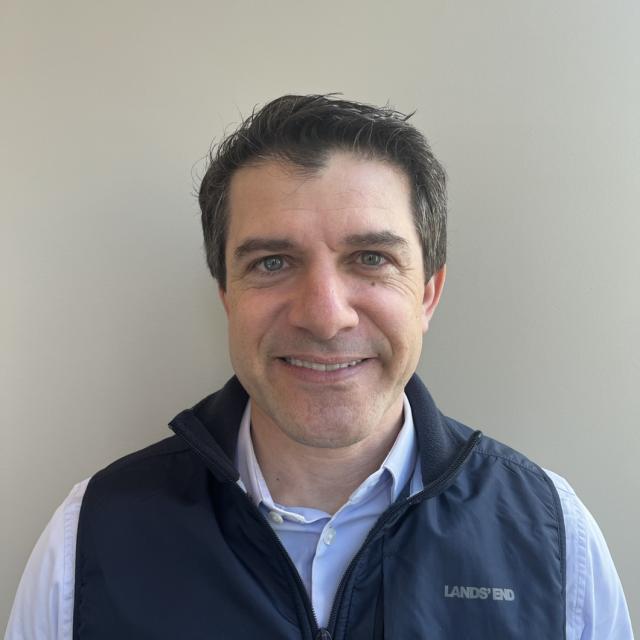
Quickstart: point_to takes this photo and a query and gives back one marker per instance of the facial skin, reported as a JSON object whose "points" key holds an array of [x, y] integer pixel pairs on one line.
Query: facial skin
{"points": [[325, 269]]}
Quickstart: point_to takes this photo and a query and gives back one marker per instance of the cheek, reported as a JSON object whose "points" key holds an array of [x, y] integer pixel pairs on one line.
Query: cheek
{"points": [[395, 307], [248, 322]]}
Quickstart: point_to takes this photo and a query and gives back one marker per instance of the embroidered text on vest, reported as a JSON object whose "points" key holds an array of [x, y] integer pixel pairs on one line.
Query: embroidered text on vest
{"points": [[478, 593]]}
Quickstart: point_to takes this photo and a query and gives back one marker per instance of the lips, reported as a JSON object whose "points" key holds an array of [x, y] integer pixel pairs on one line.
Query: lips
{"points": [[321, 366]]}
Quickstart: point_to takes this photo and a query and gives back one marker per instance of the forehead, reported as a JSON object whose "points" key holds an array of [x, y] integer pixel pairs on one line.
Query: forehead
{"points": [[346, 192]]}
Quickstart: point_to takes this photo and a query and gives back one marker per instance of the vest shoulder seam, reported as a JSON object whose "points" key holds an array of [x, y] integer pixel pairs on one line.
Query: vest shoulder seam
{"points": [[143, 455], [531, 469]]}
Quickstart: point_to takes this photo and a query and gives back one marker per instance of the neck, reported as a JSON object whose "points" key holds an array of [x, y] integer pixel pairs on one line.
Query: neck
{"points": [[320, 478]]}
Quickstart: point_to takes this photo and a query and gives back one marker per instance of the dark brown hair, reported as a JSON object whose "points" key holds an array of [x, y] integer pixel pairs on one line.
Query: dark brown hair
{"points": [[303, 131]]}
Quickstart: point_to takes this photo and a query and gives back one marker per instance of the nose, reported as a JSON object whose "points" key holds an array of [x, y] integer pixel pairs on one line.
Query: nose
{"points": [[322, 303]]}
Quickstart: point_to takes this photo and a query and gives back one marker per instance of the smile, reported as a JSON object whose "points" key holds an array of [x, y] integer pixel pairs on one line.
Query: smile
{"points": [[318, 366]]}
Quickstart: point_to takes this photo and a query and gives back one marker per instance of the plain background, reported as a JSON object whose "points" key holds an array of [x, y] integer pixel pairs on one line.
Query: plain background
{"points": [[110, 323]]}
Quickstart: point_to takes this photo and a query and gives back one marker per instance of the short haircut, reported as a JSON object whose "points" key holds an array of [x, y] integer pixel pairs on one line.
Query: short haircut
{"points": [[304, 131]]}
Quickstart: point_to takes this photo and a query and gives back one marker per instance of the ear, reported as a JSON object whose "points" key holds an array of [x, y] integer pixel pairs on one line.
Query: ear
{"points": [[432, 293], [222, 294]]}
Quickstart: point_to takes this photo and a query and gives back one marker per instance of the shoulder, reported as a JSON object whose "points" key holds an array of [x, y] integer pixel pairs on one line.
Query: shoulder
{"points": [[142, 470], [509, 478], [148, 457], [131, 490], [493, 450]]}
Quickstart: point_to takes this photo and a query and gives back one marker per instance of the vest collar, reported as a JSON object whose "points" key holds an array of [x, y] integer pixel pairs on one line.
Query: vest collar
{"points": [[210, 429]]}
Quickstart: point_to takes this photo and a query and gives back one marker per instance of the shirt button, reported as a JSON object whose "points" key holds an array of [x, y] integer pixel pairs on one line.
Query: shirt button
{"points": [[329, 535], [275, 517]]}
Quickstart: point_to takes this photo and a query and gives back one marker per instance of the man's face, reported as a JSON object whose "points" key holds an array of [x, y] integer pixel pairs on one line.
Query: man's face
{"points": [[325, 297]]}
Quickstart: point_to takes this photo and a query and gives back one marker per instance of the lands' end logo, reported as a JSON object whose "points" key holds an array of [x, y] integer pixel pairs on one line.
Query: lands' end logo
{"points": [[479, 593]]}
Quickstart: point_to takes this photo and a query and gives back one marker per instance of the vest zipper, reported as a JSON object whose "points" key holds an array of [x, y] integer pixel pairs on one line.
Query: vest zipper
{"points": [[317, 633], [429, 491], [321, 633]]}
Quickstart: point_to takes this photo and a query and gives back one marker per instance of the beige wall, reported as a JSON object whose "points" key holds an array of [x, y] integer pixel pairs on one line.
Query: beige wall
{"points": [[110, 323]]}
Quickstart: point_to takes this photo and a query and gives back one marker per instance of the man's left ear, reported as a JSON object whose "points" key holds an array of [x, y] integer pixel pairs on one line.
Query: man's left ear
{"points": [[432, 293]]}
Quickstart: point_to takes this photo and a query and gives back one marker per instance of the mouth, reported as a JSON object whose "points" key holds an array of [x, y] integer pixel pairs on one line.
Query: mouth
{"points": [[322, 366]]}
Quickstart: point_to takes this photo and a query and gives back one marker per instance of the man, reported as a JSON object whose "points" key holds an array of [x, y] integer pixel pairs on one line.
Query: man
{"points": [[320, 493]]}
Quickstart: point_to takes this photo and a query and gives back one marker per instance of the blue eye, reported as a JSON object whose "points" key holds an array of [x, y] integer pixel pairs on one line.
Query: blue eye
{"points": [[272, 263], [372, 259]]}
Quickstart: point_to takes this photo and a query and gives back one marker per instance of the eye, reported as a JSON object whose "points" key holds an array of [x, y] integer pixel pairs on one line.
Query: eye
{"points": [[271, 263], [372, 259]]}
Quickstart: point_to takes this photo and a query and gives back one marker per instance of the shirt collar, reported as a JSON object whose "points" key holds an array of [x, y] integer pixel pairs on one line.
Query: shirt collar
{"points": [[401, 459], [399, 463]]}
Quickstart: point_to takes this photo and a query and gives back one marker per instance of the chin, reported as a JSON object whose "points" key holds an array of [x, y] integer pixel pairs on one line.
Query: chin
{"points": [[327, 440], [329, 430]]}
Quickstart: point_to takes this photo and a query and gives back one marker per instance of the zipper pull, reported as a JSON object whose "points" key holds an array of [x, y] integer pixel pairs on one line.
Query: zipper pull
{"points": [[323, 634]]}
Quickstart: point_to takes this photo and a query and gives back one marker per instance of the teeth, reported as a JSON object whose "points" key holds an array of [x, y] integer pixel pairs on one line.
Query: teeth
{"points": [[321, 367]]}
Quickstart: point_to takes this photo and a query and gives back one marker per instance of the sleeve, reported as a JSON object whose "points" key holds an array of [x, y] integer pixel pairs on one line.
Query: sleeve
{"points": [[43, 606], [596, 606]]}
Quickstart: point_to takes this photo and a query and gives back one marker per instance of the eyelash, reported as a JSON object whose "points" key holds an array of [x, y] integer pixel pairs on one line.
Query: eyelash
{"points": [[383, 259], [263, 260]]}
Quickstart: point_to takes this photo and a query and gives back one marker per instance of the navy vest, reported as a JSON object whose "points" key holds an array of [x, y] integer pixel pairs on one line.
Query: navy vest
{"points": [[169, 546]]}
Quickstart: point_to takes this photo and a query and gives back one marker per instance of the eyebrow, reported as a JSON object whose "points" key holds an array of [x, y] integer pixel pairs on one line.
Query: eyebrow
{"points": [[275, 245], [253, 245], [377, 239]]}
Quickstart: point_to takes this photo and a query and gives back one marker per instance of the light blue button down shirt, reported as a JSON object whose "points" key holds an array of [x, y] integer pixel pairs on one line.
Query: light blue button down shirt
{"points": [[321, 547]]}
